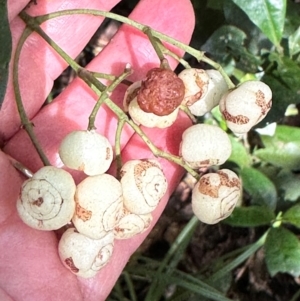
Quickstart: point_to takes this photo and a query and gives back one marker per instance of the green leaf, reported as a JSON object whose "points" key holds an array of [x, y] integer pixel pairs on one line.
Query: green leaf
{"points": [[259, 187], [268, 15], [288, 71], [292, 215], [5, 42], [282, 97], [287, 155], [294, 42], [282, 250], [288, 183], [292, 18], [252, 216], [287, 133], [226, 45], [239, 154], [282, 149]]}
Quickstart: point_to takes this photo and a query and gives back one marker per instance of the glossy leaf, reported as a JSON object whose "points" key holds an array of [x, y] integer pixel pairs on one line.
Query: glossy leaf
{"points": [[287, 70], [268, 15], [252, 216], [292, 215], [287, 133], [282, 149], [288, 184], [282, 97], [256, 40], [260, 188], [294, 42], [226, 45], [5, 42], [292, 18], [282, 251]]}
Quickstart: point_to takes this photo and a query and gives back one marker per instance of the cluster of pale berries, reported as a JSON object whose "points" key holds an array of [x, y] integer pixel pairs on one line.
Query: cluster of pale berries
{"points": [[103, 208]]}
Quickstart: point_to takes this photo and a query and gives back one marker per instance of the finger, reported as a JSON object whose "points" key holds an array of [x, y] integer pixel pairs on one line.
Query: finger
{"points": [[14, 7], [40, 63]]}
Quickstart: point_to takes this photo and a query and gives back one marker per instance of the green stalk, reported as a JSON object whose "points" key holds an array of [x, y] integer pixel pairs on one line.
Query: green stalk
{"points": [[121, 123], [26, 123], [170, 261], [155, 44], [105, 94], [34, 25], [130, 286], [91, 81], [238, 260], [199, 55]]}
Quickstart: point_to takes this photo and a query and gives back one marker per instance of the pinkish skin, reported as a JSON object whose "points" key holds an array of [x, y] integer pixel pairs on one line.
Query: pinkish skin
{"points": [[29, 265]]}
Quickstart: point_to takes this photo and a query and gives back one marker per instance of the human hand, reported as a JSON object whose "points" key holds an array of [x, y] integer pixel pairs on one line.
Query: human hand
{"points": [[30, 268]]}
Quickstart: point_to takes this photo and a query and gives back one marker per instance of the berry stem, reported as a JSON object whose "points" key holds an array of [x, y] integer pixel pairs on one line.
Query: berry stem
{"points": [[218, 67], [155, 42], [183, 62], [20, 167], [26, 123], [105, 95], [162, 154], [34, 24], [101, 89], [121, 123], [110, 77], [187, 111]]}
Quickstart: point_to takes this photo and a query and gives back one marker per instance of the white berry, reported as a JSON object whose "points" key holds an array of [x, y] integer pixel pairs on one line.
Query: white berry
{"points": [[204, 145], [84, 256], [196, 84], [87, 151], [217, 86], [144, 184], [99, 205], [150, 120], [46, 200], [215, 196], [131, 224], [130, 93], [246, 105]]}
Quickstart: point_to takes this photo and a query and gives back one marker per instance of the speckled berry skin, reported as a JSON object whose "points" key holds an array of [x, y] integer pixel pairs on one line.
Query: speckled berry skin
{"points": [[204, 145], [215, 196], [246, 105]]}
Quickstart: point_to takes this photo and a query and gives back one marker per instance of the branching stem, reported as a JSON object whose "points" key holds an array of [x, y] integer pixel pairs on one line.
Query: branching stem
{"points": [[105, 95], [199, 55], [102, 90]]}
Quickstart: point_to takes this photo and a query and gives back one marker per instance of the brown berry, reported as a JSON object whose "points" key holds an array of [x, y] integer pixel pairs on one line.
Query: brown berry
{"points": [[161, 92]]}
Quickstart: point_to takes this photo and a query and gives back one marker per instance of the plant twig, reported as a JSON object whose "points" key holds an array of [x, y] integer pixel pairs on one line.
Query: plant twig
{"points": [[105, 94], [199, 55], [90, 80], [26, 123], [155, 44], [121, 123]]}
